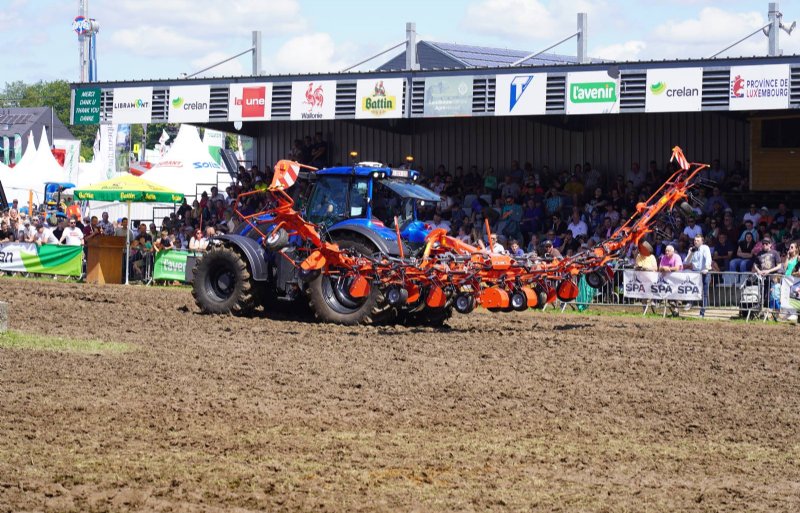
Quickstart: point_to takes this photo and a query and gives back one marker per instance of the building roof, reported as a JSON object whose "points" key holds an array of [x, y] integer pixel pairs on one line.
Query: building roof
{"points": [[432, 55], [21, 120]]}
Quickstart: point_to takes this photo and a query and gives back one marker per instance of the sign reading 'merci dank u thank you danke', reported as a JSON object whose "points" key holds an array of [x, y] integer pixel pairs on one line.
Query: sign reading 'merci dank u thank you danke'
{"points": [[86, 109]]}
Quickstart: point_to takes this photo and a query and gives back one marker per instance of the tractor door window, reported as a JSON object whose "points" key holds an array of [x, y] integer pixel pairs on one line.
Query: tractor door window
{"points": [[329, 201], [358, 197]]}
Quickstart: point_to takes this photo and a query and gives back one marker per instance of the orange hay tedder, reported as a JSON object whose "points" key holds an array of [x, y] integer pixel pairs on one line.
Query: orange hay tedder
{"points": [[286, 257]]}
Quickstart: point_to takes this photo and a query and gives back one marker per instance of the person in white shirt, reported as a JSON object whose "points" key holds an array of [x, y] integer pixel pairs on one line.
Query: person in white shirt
{"points": [[72, 235], [577, 226], [438, 222], [693, 229], [44, 236]]}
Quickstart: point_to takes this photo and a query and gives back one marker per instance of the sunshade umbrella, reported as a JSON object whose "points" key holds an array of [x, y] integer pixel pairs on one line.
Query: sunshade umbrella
{"points": [[130, 189]]}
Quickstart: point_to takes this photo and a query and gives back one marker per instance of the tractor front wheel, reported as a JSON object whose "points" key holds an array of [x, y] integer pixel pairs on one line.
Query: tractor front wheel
{"points": [[222, 283]]}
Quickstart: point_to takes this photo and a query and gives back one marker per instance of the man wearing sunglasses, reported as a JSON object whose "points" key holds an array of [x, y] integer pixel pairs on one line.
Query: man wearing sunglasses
{"points": [[72, 235]]}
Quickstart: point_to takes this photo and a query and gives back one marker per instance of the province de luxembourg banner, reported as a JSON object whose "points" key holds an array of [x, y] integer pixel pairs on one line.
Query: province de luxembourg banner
{"points": [[170, 265], [27, 257], [379, 98], [189, 104], [250, 102], [759, 87], [592, 92], [313, 100], [448, 96], [678, 286], [520, 95], [132, 105], [674, 90]]}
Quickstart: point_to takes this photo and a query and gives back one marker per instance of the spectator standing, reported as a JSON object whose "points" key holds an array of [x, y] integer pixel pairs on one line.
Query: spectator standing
{"points": [[699, 260], [670, 260], [72, 235], [645, 260], [767, 261], [790, 267]]}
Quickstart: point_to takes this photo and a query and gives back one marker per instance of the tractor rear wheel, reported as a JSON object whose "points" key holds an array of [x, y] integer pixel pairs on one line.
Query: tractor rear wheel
{"points": [[223, 284], [330, 299]]}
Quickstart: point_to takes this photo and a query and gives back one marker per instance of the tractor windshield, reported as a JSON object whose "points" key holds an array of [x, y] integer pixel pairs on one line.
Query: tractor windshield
{"points": [[397, 198]]}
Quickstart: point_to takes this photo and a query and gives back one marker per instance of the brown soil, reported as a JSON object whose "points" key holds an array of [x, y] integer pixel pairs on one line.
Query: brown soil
{"points": [[517, 412]]}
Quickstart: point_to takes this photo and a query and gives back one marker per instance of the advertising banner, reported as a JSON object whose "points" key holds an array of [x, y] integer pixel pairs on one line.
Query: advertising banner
{"points": [[6, 150], [592, 92], [379, 98], [215, 140], [790, 294], [86, 109], [72, 155], [108, 149], [674, 90], [678, 286], [132, 105], [520, 95], [759, 87], [313, 100], [249, 102], [122, 149], [17, 148], [189, 104], [448, 96], [48, 259], [170, 265]]}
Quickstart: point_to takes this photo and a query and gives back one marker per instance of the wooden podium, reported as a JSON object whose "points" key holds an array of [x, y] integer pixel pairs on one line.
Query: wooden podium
{"points": [[104, 259]]}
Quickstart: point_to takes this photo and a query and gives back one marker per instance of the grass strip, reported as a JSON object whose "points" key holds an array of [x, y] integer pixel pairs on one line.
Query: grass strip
{"points": [[19, 340]]}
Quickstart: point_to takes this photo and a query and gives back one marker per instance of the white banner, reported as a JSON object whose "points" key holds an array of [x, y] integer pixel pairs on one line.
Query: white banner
{"points": [[250, 102], [313, 100], [674, 90], [72, 156], [379, 98], [520, 95], [448, 96], [189, 104], [759, 87], [132, 105], [592, 92], [108, 149], [790, 294], [678, 286]]}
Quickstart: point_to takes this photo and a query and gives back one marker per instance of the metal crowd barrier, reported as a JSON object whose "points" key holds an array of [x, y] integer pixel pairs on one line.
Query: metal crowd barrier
{"points": [[744, 295]]}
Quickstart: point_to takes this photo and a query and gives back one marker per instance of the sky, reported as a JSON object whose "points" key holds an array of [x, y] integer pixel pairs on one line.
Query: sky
{"points": [[152, 39]]}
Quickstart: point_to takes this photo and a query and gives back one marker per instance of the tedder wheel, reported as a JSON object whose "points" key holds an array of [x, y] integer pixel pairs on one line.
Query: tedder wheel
{"points": [[330, 299], [222, 283], [276, 239]]}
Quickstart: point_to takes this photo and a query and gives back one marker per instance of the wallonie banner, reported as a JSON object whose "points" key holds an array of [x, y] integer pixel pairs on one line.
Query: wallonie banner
{"points": [[26, 257], [313, 100], [674, 90], [759, 87], [250, 102], [448, 96], [189, 104], [379, 98], [132, 105], [520, 95], [592, 92], [679, 286]]}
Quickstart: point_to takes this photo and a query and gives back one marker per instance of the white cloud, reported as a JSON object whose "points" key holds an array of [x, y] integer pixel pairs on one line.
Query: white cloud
{"points": [[234, 68], [308, 53], [530, 20], [710, 32], [627, 51], [160, 42]]}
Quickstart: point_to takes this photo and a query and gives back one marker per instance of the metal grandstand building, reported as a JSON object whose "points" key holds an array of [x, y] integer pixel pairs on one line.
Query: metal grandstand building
{"points": [[461, 105]]}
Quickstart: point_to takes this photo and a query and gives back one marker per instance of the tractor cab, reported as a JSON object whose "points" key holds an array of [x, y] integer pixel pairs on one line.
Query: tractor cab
{"points": [[372, 196]]}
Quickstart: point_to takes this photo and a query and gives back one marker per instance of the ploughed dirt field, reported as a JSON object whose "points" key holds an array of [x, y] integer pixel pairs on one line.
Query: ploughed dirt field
{"points": [[504, 412]]}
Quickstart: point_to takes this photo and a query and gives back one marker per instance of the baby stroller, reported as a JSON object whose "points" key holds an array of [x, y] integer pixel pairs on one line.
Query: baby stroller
{"points": [[750, 297]]}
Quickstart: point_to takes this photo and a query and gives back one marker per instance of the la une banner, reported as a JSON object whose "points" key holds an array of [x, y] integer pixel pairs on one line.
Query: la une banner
{"points": [[26, 257], [677, 286]]}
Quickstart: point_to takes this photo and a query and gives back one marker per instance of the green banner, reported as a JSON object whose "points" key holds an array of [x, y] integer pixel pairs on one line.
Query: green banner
{"points": [[25, 257], [170, 265], [86, 109]]}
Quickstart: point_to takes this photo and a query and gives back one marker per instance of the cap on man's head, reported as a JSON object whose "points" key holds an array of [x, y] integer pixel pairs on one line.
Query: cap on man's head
{"points": [[729, 210], [765, 208], [547, 243]]}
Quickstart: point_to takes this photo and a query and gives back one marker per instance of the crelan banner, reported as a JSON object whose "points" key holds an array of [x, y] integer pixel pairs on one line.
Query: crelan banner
{"points": [[25, 257]]}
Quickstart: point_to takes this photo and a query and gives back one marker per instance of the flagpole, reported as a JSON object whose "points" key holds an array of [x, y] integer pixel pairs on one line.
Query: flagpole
{"points": [[128, 244]]}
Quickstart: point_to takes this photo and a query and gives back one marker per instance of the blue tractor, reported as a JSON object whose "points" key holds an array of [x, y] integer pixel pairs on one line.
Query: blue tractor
{"points": [[355, 207]]}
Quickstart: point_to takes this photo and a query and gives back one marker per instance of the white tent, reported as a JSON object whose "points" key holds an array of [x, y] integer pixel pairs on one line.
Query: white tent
{"points": [[45, 166], [188, 166], [15, 180]]}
